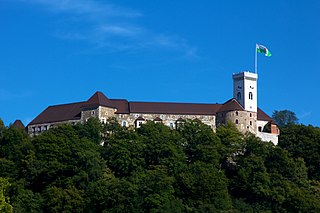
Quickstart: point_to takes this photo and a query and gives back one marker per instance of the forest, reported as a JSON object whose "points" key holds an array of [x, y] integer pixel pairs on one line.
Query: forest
{"points": [[158, 169]]}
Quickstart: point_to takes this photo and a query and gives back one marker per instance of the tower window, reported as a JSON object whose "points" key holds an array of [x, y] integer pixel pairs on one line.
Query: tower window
{"points": [[250, 123], [237, 113], [239, 95], [237, 121], [250, 96]]}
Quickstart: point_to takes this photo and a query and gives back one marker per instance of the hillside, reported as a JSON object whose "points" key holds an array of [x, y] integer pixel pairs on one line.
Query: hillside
{"points": [[157, 169]]}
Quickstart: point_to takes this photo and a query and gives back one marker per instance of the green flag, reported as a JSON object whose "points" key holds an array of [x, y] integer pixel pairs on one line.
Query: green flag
{"points": [[263, 49]]}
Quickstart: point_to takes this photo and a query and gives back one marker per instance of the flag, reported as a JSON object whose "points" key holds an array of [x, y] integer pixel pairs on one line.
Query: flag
{"points": [[263, 49]]}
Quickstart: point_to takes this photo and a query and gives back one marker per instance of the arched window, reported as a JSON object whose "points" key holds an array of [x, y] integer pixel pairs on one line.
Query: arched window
{"points": [[239, 96], [250, 96], [237, 121]]}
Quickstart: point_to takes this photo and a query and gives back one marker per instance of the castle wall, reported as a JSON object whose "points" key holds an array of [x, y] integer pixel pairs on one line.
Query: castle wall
{"points": [[167, 119], [244, 121], [268, 137], [37, 129]]}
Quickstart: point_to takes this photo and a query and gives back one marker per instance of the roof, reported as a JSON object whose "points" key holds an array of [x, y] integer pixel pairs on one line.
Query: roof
{"points": [[98, 99], [262, 116], [72, 111], [231, 105], [18, 124], [63, 112], [173, 108]]}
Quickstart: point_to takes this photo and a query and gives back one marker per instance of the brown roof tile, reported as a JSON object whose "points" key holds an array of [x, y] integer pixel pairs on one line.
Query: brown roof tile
{"points": [[262, 116], [173, 108], [98, 99], [231, 105], [18, 124], [63, 112]]}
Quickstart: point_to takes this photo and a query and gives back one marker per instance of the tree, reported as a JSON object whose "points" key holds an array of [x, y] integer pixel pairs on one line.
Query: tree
{"points": [[303, 141], [5, 207], [284, 117]]}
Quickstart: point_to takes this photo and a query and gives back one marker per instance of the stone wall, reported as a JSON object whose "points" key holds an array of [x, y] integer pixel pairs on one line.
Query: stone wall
{"points": [[167, 119], [37, 129], [245, 121]]}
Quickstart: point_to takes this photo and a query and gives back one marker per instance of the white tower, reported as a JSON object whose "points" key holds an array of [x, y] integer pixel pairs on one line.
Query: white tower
{"points": [[245, 90]]}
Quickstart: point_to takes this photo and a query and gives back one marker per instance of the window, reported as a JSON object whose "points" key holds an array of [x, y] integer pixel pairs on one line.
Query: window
{"points": [[45, 128], [124, 123], [139, 123], [237, 113], [250, 114], [33, 129], [250, 96], [237, 121], [39, 129], [260, 129], [171, 125], [250, 123], [239, 96], [92, 112]]}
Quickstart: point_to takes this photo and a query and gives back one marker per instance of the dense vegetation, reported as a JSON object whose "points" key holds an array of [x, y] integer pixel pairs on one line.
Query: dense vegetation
{"points": [[156, 169]]}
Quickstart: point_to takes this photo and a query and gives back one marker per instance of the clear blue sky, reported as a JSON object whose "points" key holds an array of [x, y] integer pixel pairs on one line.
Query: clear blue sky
{"points": [[61, 51]]}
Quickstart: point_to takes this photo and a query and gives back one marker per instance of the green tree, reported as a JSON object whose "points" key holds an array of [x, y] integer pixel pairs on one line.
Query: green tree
{"points": [[161, 146], [199, 142], [5, 207], [284, 117], [304, 142]]}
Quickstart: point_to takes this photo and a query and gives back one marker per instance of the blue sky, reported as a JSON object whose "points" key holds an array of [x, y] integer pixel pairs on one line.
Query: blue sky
{"points": [[61, 51]]}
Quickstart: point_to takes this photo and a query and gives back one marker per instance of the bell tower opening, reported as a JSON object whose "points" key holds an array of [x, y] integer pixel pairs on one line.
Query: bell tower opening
{"points": [[245, 90]]}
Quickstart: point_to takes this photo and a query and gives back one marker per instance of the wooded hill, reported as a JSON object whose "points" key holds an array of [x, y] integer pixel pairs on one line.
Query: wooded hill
{"points": [[156, 169]]}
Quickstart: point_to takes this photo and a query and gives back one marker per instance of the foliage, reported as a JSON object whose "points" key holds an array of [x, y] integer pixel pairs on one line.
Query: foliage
{"points": [[158, 169], [304, 142], [5, 207], [284, 117]]}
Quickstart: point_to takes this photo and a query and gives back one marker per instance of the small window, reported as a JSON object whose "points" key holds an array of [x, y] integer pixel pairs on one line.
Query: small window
{"points": [[250, 96], [260, 129], [239, 96], [250, 123], [237, 122], [124, 123], [250, 114], [171, 125], [45, 128], [237, 113], [139, 123], [92, 112]]}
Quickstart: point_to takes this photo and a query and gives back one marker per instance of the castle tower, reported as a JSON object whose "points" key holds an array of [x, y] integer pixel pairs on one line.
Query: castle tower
{"points": [[245, 90]]}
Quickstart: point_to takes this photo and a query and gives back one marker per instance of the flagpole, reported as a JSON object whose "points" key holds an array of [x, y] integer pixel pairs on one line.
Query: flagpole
{"points": [[256, 61]]}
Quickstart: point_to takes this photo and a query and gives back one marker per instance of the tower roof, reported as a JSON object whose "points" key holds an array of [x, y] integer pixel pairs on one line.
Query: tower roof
{"points": [[231, 105], [18, 124], [98, 99]]}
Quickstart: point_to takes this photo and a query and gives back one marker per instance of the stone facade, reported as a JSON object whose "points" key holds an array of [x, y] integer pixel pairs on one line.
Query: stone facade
{"points": [[167, 119], [244, 120]]}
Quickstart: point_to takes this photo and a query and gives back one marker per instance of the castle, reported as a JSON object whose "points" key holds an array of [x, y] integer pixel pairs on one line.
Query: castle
{"points": [[242, 110]]}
